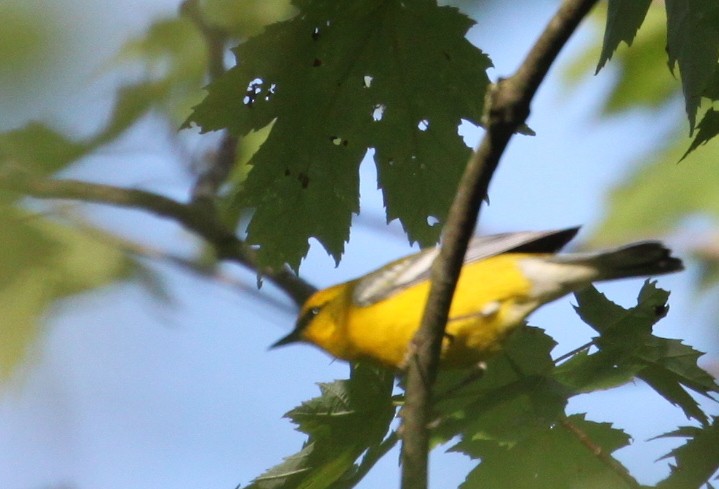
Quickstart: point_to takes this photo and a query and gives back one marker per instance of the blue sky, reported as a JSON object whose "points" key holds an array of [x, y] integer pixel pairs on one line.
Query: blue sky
{"points": [[126, 391]]}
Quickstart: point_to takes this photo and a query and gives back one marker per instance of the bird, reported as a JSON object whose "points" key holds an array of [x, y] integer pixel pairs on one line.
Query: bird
{"points": [[504, 278]]}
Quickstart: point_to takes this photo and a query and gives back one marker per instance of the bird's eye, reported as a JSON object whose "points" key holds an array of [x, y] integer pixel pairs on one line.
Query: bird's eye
{"points": [[308, 316]]}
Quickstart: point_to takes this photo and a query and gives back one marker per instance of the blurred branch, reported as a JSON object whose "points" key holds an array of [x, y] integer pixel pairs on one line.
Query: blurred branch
{"points": [[196, 218], [216, 37], [199, 268], [218, 168], [508, 108]]}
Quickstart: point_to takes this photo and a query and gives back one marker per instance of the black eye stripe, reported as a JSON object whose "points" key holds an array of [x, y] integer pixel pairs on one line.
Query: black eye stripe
{"points": [[307, 317]]}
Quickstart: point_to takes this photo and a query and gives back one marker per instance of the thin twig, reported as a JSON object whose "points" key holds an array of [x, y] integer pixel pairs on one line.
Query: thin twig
{"points": [[508, 108], [571, 353], [196, 218], [129, 247]]}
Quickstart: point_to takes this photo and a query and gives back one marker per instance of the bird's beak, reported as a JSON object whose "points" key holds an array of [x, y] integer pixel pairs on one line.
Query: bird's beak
{"points": [[293, 337]]}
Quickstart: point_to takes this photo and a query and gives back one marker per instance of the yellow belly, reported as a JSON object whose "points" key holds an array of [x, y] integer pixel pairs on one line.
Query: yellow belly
{"points": [[491, 300]]}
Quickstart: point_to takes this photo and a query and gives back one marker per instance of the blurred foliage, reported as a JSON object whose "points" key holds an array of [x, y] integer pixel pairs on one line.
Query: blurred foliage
{"points": [[641, 77], [692, 44], [244, 18], [659, 195], [28, 45], [44, 261]]}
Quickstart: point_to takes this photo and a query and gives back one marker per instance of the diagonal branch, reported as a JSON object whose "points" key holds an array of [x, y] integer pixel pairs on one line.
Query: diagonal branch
{"points": [[508, 108], [199, 219]]}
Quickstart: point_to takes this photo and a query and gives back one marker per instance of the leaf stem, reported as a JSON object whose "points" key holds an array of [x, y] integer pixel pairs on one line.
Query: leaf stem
{"points": [[599, 452], [571, 353]]}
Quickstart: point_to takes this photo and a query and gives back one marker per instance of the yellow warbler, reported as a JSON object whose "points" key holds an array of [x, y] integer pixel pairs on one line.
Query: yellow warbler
{"points": [[504, 278]]}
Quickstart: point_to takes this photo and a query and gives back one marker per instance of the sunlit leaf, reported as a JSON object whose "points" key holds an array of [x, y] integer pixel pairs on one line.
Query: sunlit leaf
{"points": [[38, 148], [658, 195], [42, 262]]}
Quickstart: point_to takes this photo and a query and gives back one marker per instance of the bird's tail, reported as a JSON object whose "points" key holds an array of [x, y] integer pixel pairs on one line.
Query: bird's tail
{"points": [[634, 260]]}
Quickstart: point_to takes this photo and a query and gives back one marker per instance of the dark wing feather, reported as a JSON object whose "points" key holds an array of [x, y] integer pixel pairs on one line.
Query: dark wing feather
{"points": [[411, 270]]}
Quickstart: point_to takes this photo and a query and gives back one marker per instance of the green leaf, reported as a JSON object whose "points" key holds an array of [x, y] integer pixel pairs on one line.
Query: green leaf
{"points": [[627, 348], [349, 418], [623, 20], [642, 78], [174, 58], [553, 457], [695, 461], [586, 372], [708, 128], [659, 195], [39, 148], [338, 80], [42, 262], [515, 395], [670, 366], [132, 102], [615, 322], [693, 45], [244, 18]]}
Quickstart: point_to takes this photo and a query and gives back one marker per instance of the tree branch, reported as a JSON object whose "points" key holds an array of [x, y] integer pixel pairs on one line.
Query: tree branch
{"points": [[199, 219], [509, 104]]}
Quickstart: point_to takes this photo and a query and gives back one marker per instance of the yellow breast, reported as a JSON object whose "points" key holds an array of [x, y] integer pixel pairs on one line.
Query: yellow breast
{"points": [[491, 300]]}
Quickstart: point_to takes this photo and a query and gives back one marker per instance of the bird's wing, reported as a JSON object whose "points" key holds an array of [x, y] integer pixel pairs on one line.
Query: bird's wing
{"points": [[413, 269]]}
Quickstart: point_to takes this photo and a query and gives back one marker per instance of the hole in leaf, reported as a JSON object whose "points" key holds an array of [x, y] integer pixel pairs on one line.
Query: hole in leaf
{"points": [[254, 88], [378, 112], [315, 33], [432, 221], [270, 92], [338, 141], [367, 81], [661, 311], [423, 125]]}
